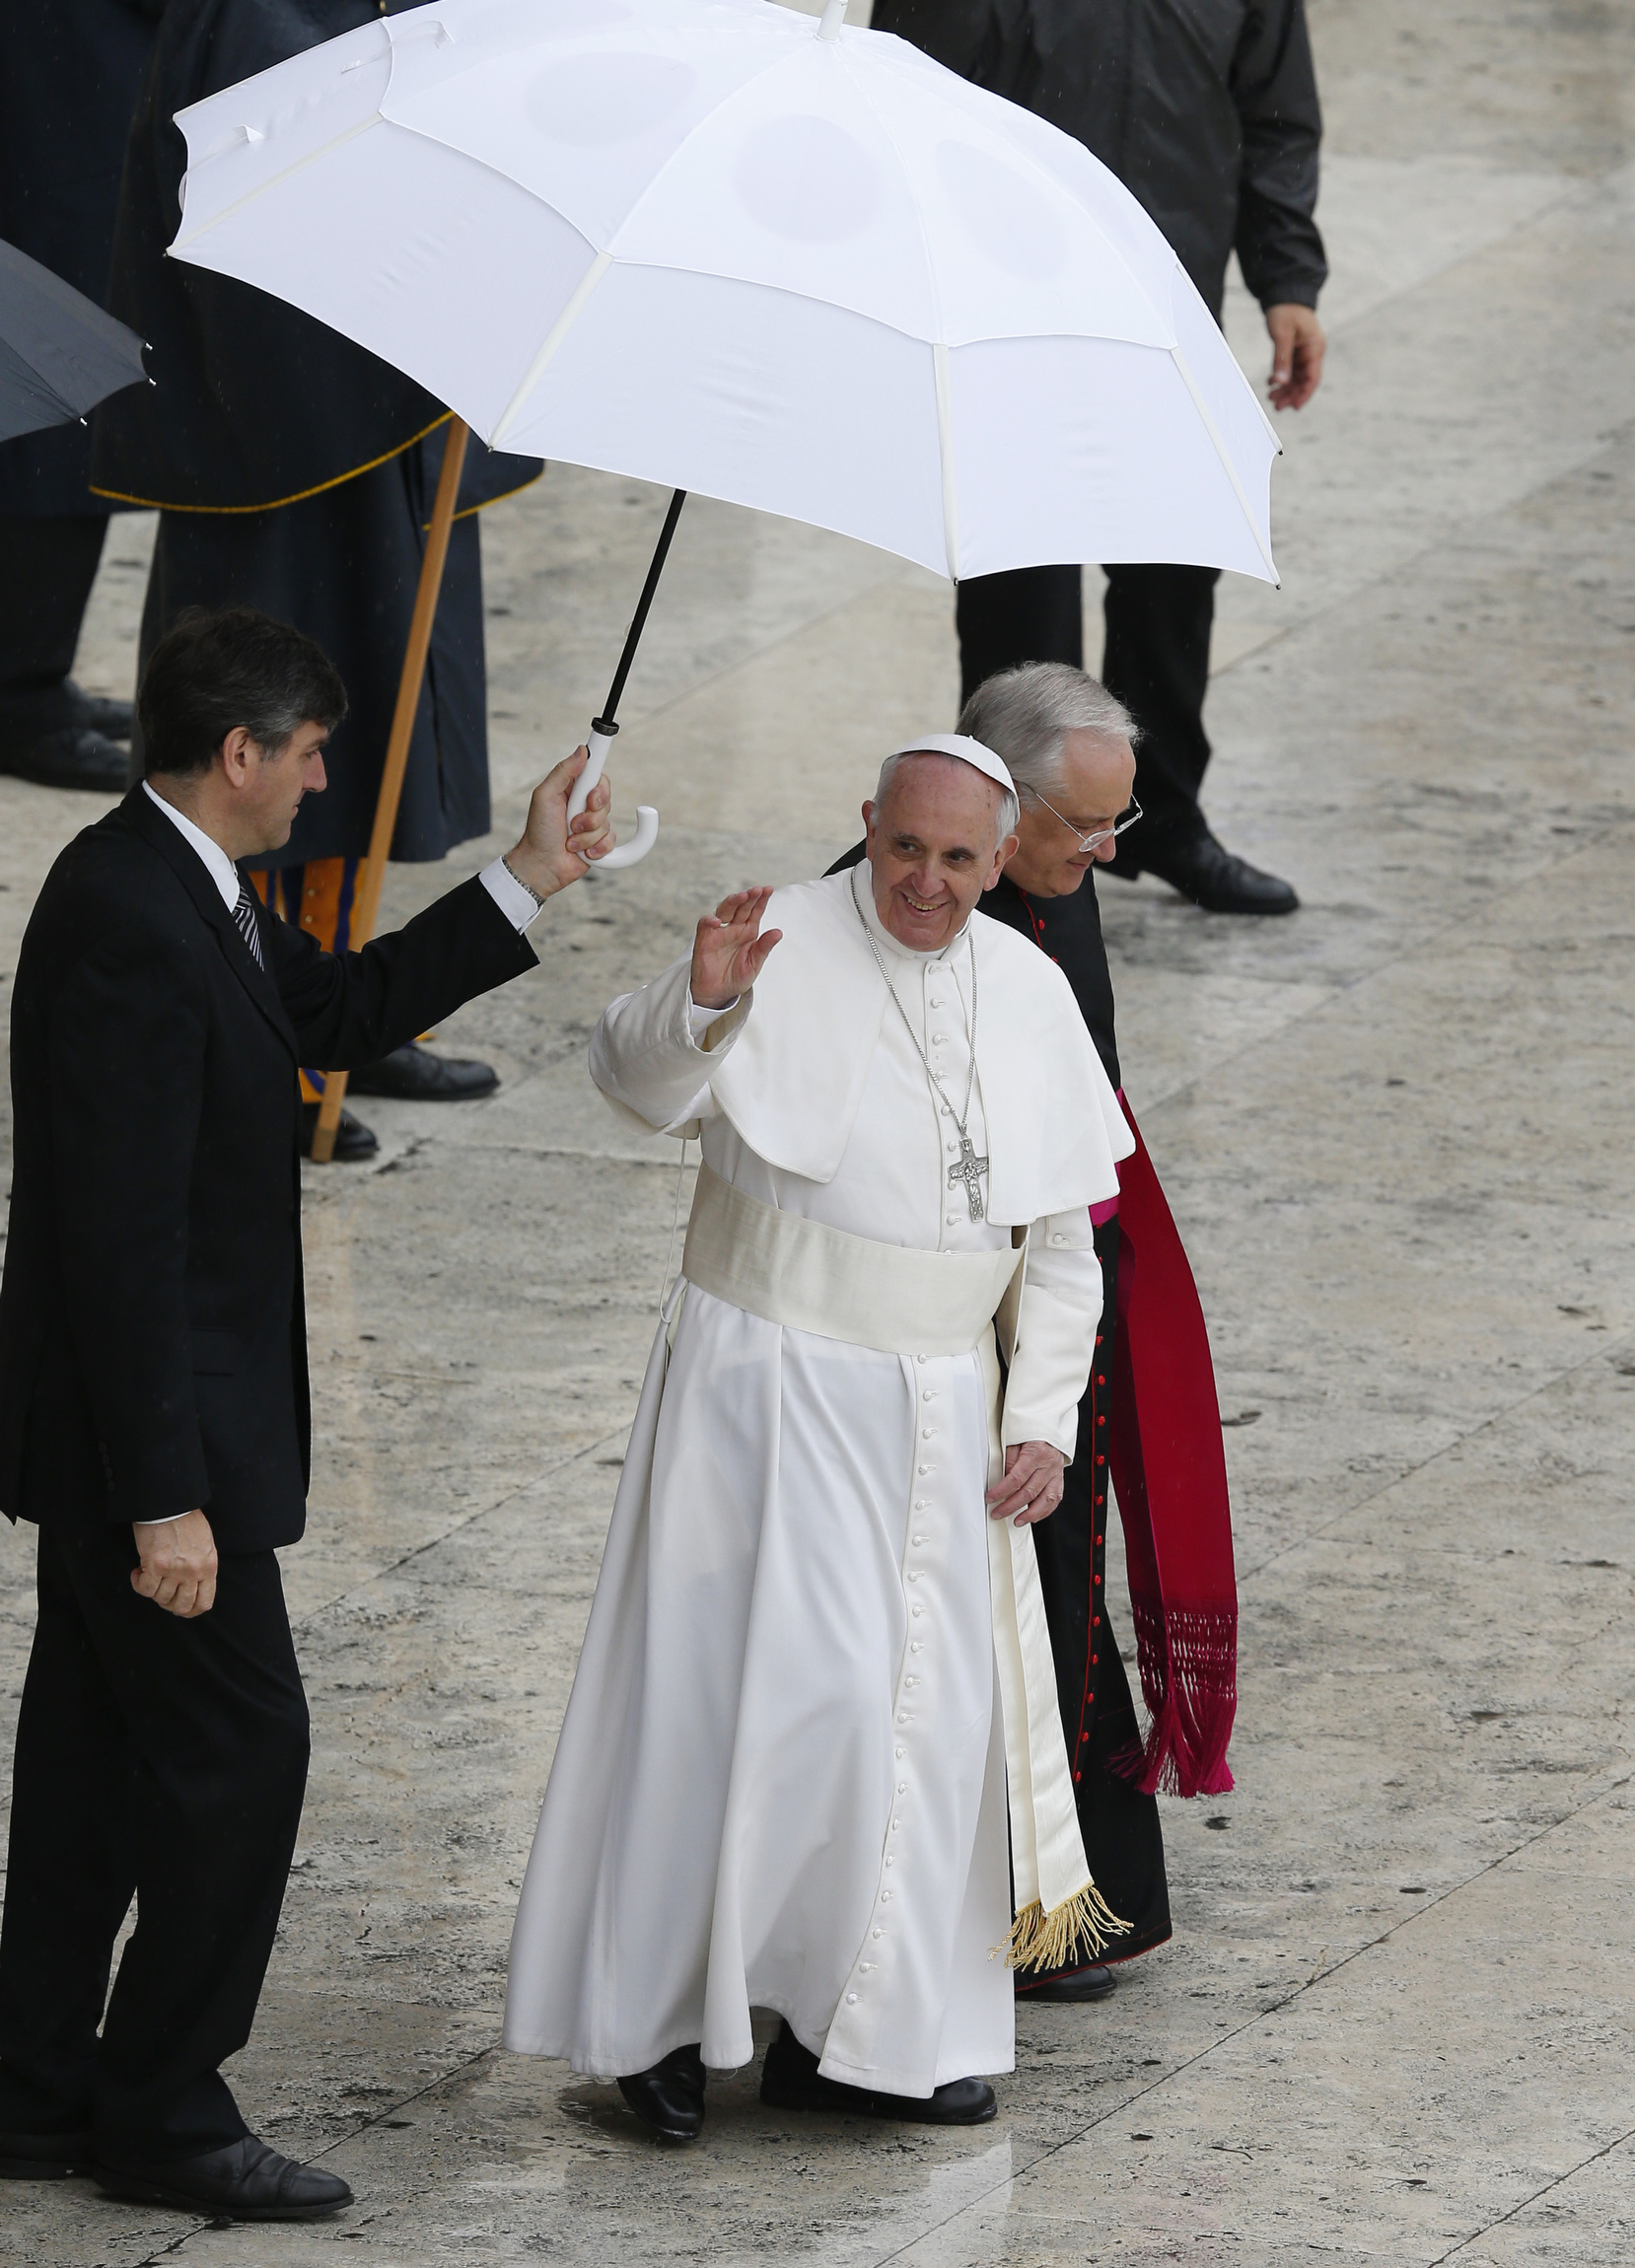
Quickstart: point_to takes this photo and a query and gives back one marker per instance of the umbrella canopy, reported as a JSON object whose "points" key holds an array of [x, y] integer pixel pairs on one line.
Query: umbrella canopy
{"points": [[60, 353], [713, 244]]}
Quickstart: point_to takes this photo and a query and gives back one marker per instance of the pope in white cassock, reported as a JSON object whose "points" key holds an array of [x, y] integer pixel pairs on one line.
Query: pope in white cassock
{"points": [[813, 1760]]}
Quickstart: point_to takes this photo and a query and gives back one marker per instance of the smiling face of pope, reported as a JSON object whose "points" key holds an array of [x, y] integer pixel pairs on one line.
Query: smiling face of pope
{"points": [[932, 848]]}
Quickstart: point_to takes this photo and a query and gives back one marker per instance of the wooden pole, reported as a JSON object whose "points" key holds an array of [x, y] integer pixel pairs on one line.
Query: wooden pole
{"points": [[367, 902]]}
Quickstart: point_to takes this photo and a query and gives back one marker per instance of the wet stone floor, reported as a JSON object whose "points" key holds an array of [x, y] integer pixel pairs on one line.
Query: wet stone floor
{"points": [[1394, 2022]]}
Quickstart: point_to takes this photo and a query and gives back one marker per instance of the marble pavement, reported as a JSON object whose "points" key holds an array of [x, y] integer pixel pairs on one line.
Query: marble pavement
{"points": [[1395, 2021]]}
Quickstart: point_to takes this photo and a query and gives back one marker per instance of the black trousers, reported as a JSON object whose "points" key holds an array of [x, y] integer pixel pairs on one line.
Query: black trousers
{"points": [[168, 1758], [1156, 659], [1123, 1836], [46, 570]]}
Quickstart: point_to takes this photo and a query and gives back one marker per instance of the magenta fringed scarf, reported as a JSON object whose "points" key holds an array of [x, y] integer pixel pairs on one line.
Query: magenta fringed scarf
{"points": [[1169, 1468]]}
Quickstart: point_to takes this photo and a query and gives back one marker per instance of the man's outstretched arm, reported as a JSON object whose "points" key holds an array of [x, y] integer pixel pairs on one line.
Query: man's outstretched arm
{"points": [[352, 1008]]}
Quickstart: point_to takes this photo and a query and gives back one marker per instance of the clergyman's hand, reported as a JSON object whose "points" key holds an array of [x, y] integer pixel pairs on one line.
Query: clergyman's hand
{"points": [[729, 951], [1298, 349], [1033, 1485], [552, 852], [179, 1564]]}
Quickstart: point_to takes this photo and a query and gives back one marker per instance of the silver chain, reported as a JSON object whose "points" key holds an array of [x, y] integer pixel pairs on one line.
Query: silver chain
{"points": [[970, 1028]]}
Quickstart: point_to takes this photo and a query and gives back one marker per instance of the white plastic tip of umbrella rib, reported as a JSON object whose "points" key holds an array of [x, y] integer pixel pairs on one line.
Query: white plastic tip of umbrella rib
{"points": [[835, 15]]}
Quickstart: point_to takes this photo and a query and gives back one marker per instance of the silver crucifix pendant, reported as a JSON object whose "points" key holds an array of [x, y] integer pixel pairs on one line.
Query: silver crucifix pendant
{"points": [[969, 1169]]}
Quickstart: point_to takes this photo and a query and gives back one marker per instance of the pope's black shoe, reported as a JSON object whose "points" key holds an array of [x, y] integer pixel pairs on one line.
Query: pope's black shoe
{"points": [[1216, 879], [71, 756], [412, 1074], [1091, 1983], [790, 2081], [353, 1139], [51, 2157], [668, 2098], [245, 2181]]}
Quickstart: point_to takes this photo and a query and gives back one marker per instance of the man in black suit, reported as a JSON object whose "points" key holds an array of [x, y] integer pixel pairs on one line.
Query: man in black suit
{"points": [[153, 1416]]}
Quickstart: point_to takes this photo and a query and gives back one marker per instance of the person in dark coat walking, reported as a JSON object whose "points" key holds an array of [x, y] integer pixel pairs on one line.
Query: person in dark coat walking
{"points": [[73, 71], [1208, 113], [154, 1413], [294, 471]]}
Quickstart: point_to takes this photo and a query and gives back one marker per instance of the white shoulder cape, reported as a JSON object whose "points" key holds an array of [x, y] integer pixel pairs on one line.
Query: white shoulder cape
{"points": [[793, 1078]]}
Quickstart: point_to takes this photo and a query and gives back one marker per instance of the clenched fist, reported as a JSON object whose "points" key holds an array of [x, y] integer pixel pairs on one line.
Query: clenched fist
{"points": [[554, 852], [179, 1564]]}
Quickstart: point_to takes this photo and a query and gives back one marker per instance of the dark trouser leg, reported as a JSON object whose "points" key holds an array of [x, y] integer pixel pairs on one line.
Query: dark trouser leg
{"points": [[212, 1717], [1157, 660], [1123, 1840], [46, 570], [1028, 615], [70, 1873]]}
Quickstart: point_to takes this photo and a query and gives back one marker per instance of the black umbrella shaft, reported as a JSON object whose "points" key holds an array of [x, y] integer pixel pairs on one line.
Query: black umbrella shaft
{"points": [[604, 723]]}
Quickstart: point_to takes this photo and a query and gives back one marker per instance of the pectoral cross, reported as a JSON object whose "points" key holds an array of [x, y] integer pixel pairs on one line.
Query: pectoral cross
{"points": [[969, 1169]]}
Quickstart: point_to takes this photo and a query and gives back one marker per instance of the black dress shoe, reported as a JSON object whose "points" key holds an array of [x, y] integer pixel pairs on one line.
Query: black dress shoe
{"points": [[45, 2156], [1217, 880], [117, 719], [1091, 1983], [353, 1139], [412, 1074], [245, 2181], [72, 756], [72, 705], [790, 2081], [668, 2098]]}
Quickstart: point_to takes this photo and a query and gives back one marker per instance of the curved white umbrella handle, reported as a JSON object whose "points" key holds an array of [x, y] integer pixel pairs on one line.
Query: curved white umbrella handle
{"points": [[647, 819]]}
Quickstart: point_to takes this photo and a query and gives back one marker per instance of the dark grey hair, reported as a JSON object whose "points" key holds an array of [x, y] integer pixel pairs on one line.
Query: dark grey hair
{"points": [[1010, 811], [1026, 714]]}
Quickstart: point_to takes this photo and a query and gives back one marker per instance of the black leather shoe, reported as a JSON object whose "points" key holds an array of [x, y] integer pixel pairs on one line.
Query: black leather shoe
{"points": [[245, 2181], [45, 2156], [117, 719], [1091, 1983], [353, 1139], [73, 757], [412, 1074], [1217, 881], [668, 2098], [790, 2081]]}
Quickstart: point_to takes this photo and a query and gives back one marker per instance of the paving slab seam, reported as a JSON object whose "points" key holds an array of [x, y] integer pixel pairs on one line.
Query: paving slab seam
{"points": [[170, 2251], [1345, 987], [802, 629], [433, 1542], [1578, 191], [1447, 535], [1571, 2174], [1458, 1441], [1320, 1975]]}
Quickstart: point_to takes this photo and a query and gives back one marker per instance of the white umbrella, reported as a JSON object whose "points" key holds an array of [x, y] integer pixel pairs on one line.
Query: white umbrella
{"points": [[711, 243]]}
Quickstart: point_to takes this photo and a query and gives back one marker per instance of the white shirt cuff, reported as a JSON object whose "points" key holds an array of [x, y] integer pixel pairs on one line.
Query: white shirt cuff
{"points": [[520, 906], [699, 1019]]}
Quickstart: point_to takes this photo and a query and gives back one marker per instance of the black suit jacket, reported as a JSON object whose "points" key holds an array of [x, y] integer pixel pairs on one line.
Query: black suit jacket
{"points": [[152, 1348]]}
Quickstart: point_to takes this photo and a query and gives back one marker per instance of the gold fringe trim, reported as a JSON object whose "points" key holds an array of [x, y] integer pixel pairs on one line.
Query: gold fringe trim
{"points": [[1044, 1940]]}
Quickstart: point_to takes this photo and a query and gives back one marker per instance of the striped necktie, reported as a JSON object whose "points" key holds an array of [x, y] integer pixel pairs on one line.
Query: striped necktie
{"points": [[244, 914]]}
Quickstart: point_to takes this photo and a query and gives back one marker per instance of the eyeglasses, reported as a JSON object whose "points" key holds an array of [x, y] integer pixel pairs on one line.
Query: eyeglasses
{"points": [[1125, 819]]}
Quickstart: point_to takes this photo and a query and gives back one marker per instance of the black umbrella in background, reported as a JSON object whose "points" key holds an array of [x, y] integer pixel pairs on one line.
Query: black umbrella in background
{"points": [[60, 353]]}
